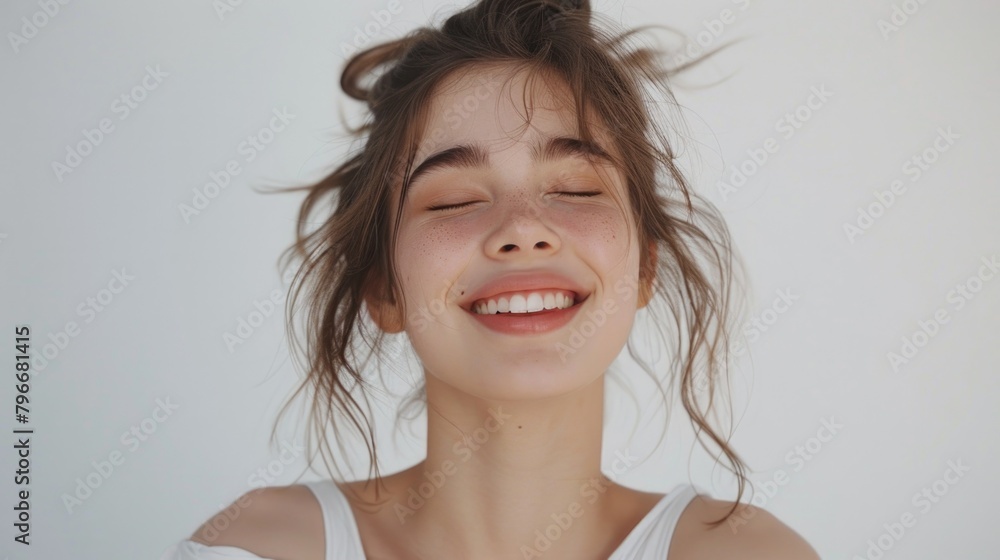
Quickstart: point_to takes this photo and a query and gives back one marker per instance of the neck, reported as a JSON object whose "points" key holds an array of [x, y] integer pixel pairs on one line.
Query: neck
{"points": [[519, 478]]}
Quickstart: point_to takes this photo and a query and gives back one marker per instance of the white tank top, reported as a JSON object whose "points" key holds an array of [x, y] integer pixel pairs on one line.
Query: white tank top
{"points": [[648, 540]]}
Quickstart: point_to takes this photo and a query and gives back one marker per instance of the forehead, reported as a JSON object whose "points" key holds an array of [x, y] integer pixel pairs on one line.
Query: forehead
{"points": [[499, 105]]}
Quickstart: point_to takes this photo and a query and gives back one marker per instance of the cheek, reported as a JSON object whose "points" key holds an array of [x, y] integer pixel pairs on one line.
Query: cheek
{"points": [[596, 230], [429, 262], [600, 236]]}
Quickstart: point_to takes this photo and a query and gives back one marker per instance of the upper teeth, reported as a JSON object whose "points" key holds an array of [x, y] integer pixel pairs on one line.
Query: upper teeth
{"points": [[524, 303]]}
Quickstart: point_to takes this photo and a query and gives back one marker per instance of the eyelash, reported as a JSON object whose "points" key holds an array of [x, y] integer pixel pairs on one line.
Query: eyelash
{"points": [[580, 194]]}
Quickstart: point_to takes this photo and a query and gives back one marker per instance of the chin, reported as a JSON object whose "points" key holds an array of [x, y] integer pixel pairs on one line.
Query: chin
{"points": [[521, 379]]}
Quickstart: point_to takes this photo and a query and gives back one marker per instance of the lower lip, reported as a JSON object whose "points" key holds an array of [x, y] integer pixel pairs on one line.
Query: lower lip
{"points": [[528, 323]]}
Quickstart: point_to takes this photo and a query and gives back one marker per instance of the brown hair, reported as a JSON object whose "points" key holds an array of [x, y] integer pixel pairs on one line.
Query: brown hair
{"points": [[348, 256]]}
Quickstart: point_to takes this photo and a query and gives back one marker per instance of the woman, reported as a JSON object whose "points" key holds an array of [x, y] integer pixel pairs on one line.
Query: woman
{"points": [[506, 214]]}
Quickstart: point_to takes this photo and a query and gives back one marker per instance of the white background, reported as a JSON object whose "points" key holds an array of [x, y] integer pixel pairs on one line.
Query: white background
{"points": [[62, 237]]}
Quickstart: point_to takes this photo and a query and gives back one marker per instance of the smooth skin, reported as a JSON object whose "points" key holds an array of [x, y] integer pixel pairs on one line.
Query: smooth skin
{"points": [[546, 453]]}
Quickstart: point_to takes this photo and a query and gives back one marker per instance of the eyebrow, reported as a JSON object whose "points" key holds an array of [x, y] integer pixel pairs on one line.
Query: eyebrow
{"points": [[476, 156]]}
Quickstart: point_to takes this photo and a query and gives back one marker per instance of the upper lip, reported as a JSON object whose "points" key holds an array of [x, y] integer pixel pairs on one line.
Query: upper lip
{"points": [[524, 281]]}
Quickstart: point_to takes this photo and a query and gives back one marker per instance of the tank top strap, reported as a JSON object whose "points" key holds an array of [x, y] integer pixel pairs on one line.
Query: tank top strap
{"points": [[343, 540], [650, 538]]}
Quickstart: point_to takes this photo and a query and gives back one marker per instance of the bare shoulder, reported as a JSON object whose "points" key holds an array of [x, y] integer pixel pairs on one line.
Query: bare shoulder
{"points": [[272, 522], [751, 533]]}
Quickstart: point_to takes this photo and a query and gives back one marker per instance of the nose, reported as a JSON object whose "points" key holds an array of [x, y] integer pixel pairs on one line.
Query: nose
{"points": [[524, 233]]}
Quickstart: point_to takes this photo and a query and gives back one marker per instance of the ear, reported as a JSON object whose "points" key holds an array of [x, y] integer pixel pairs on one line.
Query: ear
{"points": [[647, 274], [384, 313]]}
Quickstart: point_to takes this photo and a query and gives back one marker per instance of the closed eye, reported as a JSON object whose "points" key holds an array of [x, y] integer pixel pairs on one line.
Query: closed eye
{"points": [[586, 193], [582, 194], [449, 207]]}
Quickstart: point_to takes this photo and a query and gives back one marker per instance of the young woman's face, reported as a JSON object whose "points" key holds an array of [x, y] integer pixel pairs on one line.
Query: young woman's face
{"points": [[507, 216]]}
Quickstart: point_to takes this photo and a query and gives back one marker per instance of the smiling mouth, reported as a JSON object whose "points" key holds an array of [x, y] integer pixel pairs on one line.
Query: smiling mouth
{"points": [[535, 303]]}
